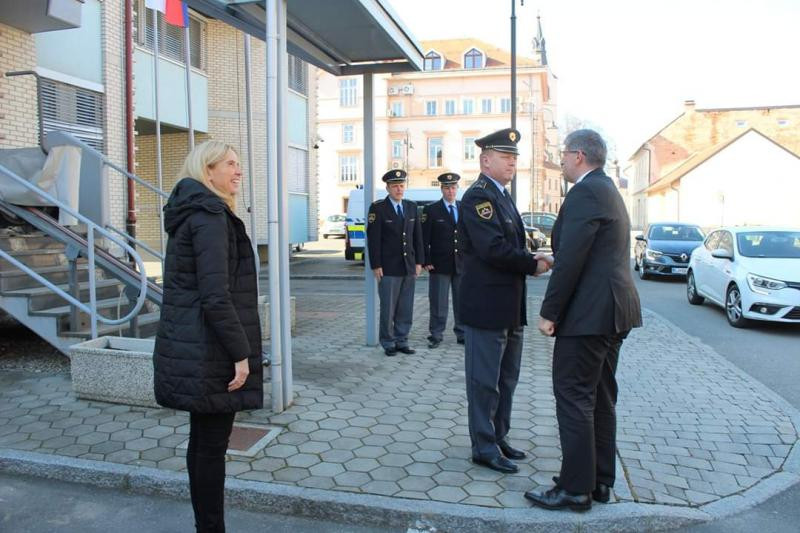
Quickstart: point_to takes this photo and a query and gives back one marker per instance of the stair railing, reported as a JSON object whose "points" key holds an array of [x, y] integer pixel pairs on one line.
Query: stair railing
{"points": [[91, 229]]}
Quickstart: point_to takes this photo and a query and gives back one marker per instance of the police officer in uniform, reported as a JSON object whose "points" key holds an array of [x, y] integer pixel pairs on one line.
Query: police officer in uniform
{"points": [[443, 258], [493, 299], [394, 244]]}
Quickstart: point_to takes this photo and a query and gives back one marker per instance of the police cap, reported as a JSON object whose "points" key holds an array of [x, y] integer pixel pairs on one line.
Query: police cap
{"points": [[448, 178], [501, 141], [394, 176]]}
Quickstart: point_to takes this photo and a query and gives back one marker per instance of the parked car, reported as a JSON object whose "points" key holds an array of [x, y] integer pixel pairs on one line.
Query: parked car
{"points": [[534, 237], [333, 225], [752, 272], [543, 221], [664, 249]]}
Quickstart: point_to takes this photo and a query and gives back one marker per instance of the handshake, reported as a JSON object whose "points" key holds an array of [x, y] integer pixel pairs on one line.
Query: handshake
{"points": [[545, 263]]}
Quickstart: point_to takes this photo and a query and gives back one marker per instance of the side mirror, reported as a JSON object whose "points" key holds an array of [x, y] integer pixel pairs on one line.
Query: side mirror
{"points": [[721, 253], [640, 237]]}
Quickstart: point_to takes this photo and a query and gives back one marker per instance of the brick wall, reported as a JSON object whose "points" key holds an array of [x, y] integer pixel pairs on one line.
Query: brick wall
{"points": [[18, 114]]}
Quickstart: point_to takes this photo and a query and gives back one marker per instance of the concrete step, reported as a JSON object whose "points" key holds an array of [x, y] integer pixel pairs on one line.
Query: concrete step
{"points": [[43, 298], [148, 326], [107, 308], [36, 258], [17, 279], [28, 241]]}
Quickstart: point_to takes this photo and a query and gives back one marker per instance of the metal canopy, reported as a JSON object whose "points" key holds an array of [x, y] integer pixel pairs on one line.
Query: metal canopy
{"points": [[343, 37]]}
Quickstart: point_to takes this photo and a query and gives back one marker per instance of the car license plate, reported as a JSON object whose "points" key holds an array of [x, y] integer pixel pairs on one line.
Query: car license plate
{"points": [[679, 270]]}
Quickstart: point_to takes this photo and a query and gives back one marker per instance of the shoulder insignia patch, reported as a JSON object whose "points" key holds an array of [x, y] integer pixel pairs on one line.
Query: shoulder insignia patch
{"points": [[371, 218], [485, 210], [424, 217]]}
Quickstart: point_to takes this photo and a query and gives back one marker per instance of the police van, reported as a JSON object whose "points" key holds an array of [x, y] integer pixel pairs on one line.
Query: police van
{"points": [[354, 236]]}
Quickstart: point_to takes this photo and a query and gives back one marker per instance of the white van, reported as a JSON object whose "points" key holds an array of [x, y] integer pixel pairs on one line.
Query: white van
{"points": [[354, 238]]}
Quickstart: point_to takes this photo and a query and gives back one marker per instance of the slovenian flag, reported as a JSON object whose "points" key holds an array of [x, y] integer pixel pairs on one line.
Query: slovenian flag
{"points": [[177, 13]]}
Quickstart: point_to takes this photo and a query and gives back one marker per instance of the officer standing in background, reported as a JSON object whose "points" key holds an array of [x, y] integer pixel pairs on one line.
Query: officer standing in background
{"points": [[443, 258], [493, 299], [394, 244]]}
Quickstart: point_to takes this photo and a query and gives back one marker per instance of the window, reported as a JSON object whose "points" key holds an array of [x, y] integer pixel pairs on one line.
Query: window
{"points": [[712, 241], [741, 123], [466, 107], [486, 106], [298, 75], [397, 109], [347, 133], [72, 109], [505, 105], [430, 107], [469, 148], [726, 242], [433, 61], [170, 38], [449, 107], [782, 122], [348, 168], [347, 92], [397, 148], [473, 59], [434, 152], [297, 170]]}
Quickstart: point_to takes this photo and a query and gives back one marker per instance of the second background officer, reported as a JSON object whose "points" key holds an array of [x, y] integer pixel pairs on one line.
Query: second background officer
{"points": [[443, 258], [394, 244]]}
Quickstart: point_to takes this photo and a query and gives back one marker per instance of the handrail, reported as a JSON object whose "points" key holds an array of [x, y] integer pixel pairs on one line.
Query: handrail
{"points": [[91, 229], [137, 242]]}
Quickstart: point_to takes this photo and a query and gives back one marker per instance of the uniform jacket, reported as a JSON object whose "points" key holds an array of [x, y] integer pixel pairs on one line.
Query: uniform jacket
{"points": [[440, 237], [495, 259], [591, 291], [393, 244], [209, 317]]}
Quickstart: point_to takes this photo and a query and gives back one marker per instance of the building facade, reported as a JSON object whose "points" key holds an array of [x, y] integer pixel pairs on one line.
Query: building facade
{"points": [[427, 122]]}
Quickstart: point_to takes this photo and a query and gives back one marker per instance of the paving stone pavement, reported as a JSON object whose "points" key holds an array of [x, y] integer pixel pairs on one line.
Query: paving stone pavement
{"points": [[692, 428]]}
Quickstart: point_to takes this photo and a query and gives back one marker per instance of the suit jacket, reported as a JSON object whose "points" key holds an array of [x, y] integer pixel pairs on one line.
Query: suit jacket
{"points": [[591, 291], [495, 259], [393, 244], [440, 237]]}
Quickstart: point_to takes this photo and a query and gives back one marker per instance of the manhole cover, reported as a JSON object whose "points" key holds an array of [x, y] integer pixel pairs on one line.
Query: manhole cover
{"points": [[247, 439]]}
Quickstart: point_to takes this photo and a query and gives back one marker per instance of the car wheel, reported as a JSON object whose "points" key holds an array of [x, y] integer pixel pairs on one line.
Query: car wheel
{"points": [[325, 236], [733, 307], [642, 273], [691, 291]]}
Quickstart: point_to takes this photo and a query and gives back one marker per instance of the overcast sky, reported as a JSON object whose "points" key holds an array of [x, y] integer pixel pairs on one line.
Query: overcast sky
{"points": [[628, 65]]}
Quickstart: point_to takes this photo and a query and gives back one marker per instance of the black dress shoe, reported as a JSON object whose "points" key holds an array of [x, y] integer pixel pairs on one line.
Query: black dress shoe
{"points": [[498, 463], [406, 350], [601, 492], [433, 343], [511, 453], [558, 498], [390, 351], [460, 341]]}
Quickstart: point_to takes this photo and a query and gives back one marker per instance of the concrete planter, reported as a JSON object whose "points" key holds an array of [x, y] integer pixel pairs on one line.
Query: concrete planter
{"points": [[114, 369], [263, 313]]}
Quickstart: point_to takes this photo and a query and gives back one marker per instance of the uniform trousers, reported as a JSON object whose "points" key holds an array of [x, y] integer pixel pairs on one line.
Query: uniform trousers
{"points": [[585, 387], [397, 310], [205, 463], [439, 286], [492, 363]]}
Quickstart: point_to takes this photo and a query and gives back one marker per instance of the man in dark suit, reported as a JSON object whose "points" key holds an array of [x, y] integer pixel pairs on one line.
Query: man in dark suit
{"points": [[492, 305], [443, 258], [590, 306], [394, 244]]}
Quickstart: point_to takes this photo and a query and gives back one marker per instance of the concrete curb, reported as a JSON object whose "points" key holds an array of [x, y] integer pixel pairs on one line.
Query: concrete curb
{"points": [[384, 511]]}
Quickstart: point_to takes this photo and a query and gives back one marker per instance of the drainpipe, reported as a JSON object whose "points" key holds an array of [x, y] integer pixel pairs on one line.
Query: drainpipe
{"points": [[129, 119], [649, 171]]}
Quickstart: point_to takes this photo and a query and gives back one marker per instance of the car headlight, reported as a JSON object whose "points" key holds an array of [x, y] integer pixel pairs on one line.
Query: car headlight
{"points": [[652, 254], [760, 283]]}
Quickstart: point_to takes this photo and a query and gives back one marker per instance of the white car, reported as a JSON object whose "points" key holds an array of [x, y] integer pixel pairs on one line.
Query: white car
{"points": [[752, 272], [333, 225]]}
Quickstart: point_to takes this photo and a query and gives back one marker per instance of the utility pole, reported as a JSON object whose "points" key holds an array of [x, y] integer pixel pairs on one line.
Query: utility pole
{"points": [[514, 81]]}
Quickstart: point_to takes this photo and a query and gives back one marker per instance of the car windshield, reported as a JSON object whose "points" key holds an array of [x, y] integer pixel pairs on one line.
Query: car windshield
{"points": [[784, 244], [676, 233], [336, 218]]}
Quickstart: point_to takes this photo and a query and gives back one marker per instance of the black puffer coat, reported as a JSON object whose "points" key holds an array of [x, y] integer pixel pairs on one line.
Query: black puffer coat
{"points": [[209, 318]]}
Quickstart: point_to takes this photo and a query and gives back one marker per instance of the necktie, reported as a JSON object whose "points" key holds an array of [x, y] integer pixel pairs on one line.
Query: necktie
{"points": [[453, 213], [399, 211]]}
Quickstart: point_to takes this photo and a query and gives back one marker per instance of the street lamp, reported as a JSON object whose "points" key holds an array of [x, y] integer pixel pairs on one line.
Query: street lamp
{"points": [[514, 81]]}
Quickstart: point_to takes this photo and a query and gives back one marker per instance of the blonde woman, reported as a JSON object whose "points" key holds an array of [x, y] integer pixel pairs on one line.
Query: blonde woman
{"points": [[207, 356]]}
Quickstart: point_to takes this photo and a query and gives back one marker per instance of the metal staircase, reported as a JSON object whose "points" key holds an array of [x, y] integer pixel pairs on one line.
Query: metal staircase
{"points": [[62, 282]]}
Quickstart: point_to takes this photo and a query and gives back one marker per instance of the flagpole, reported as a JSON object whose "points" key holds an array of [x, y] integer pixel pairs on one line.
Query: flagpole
{"points": [[158, 131], [188, 57]]}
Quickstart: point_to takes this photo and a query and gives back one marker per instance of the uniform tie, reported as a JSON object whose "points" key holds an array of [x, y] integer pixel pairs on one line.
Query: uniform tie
{"points": [[399, 211], [453, 213]]}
